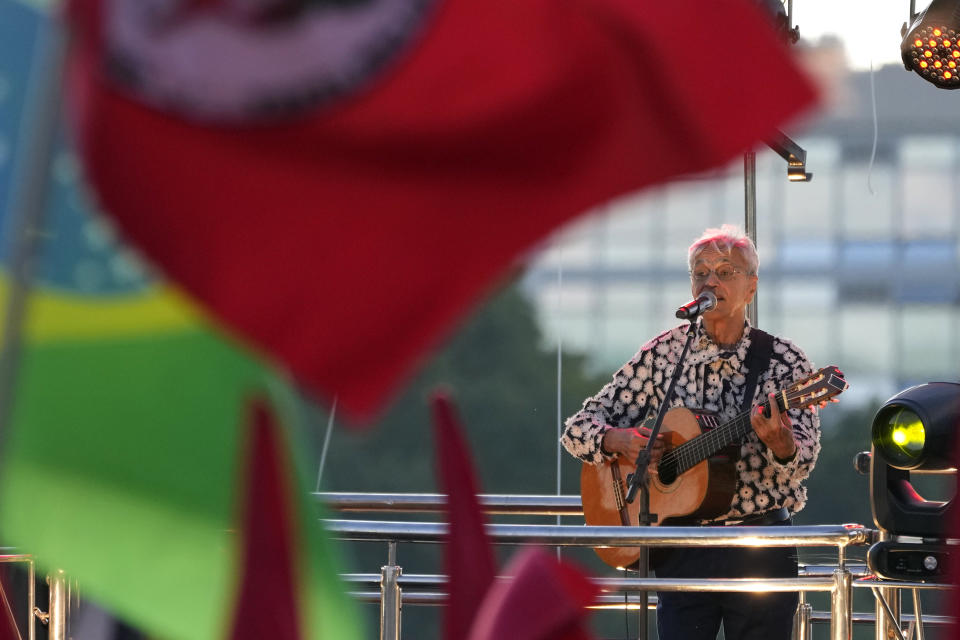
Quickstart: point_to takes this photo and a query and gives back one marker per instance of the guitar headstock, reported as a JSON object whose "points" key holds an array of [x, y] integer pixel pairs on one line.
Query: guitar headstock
{"points": [[816, 388]]}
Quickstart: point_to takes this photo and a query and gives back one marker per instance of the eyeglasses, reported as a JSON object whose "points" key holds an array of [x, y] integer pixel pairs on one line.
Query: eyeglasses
{"points": [[724, 272]]}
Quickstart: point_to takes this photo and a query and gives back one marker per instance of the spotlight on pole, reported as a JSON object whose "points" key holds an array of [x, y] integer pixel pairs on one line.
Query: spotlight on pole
{"points": [[930, 46], [794, 154], [913, 433]]}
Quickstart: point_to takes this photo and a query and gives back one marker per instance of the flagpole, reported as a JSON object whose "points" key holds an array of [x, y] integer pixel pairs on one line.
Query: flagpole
{"points": [[559, 387], [26, 221], [750, 215], [326, 442]]}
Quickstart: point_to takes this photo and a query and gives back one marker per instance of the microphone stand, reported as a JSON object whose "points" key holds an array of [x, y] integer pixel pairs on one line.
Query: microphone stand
{"points": [[639, 480]]}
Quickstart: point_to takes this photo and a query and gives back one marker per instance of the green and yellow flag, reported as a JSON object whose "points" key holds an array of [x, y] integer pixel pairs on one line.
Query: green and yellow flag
{"points": [[144, 454], [127, 465]]}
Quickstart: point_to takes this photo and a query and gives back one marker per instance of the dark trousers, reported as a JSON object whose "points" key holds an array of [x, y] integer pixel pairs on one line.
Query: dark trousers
{"points": [[745, 616]]}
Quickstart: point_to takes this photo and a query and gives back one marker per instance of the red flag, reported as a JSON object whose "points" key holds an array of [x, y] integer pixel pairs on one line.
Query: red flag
{"points": [[468, 554], [347, 238], [543, 599], [267, 599], [8, 622], [953, 568]]}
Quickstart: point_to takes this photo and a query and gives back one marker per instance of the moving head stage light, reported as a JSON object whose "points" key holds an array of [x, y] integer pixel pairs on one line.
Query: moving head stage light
{"points": [[913, 432], [930, 45]]}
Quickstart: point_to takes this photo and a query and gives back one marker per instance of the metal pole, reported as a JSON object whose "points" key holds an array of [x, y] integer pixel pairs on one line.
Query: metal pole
{"points": [[802, 623], [58, 606], [390, 596], [887, 614], [643, 613], [31, 601], [917, 614], [27, 220], [750, 214], [618, 536], [559, 390], [390, 606], [887, 608], [841, 605]]}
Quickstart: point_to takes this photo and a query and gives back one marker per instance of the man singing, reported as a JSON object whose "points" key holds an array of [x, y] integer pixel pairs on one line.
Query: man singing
{"points": [[774, 459]]}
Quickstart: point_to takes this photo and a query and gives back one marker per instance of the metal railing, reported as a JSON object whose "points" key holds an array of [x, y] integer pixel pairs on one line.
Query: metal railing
{"points": [[56, 617], [396, 588]]}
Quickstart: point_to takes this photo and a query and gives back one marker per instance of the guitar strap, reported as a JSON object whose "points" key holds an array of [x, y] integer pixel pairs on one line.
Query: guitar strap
{"points": [[758, 361]]}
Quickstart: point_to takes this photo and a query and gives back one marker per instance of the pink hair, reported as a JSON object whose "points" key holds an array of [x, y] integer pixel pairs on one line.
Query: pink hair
{"points": [[725, 239]]}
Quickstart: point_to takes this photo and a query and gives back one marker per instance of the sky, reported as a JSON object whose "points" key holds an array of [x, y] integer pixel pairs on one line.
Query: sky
{"points": [[870, 29]]}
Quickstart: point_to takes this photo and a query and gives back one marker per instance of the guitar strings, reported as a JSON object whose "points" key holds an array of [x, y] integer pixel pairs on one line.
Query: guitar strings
{"points": [[694, 451], [691, 452]]}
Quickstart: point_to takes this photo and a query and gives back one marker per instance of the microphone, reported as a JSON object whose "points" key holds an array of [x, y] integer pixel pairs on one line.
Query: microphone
{"points": [[704, 302]]}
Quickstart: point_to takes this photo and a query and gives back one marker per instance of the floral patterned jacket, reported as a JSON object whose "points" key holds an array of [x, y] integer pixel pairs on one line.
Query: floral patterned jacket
{"points": [[711, 379]]}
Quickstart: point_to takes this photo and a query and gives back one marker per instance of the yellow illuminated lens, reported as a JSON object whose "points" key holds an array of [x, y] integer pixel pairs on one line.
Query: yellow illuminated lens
{"points": [[947, 75], [928, 54], [937, 32], [902, 437]]}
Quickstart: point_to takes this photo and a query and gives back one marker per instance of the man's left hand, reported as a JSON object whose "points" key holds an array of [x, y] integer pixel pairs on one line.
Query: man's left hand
{"points": [[776, 431]]}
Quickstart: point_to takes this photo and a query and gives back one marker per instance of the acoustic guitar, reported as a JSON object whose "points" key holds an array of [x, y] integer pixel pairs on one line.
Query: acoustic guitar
{"points": [[696, 476]]}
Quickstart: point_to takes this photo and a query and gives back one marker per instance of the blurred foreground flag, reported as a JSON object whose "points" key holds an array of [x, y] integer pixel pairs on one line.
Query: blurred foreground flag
{"points": [[145, 455], [340, 179], [542, 598], [467, 553]]}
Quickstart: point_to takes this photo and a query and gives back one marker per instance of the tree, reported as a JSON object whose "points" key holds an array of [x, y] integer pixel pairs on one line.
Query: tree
{"points": [[503, 380]]}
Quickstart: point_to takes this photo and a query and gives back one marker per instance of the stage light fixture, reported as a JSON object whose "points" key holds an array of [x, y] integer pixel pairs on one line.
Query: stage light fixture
{"points": [[913, 432], [782, 19], [930, 46], [911, 561]]}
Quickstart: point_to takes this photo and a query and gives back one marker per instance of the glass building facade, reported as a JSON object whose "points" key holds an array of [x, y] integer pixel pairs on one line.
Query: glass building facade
{"points": [[859, 266]]}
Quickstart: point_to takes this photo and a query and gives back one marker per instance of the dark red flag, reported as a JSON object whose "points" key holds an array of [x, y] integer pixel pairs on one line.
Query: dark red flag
{"points": [[543, 599], [8, 622], [954, 559], [342, 207], [468, 554], [267, 600]]}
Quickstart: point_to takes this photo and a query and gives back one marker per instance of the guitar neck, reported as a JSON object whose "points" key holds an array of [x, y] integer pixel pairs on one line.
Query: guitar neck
{"points": [[696, 450]]}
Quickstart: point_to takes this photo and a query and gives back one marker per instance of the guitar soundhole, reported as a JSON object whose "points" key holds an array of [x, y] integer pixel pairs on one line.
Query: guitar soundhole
{"points": [[667, 472]]}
